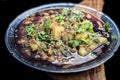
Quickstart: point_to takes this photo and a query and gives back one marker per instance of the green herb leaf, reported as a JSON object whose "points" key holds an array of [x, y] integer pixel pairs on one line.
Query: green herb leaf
{"points": [[80, 30], [106, 26], [114, 37], [67, 54], [74, 43], [76, 15], [59, 42], [85, 41], [87, 25], [77, 12], [107, 43], [62, 49], [30, 30], [47, 25], [96, 41], [72, 17], [54, 51], [59, 17], [43, 37], [43, 46], [65, 11]]}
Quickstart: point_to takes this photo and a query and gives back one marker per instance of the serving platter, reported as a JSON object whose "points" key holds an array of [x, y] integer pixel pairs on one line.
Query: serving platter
{"points": [[9, 39]]}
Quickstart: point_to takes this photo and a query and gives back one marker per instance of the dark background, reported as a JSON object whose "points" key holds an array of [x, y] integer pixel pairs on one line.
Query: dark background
{"points": [[10, 9]]}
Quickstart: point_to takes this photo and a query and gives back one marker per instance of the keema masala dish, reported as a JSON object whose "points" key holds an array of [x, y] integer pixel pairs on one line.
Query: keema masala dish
{"points": [[63, 37]]}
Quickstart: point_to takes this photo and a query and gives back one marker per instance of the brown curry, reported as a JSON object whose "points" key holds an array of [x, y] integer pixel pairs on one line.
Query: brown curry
{"points": [[63, 37]]}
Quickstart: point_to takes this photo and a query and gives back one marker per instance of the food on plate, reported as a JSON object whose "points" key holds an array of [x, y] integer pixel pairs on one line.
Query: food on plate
{"points": [[64, 37]]}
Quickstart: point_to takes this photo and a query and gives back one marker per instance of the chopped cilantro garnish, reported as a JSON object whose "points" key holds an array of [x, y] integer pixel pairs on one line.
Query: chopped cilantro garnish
{"points": [[77, 12], [59, 42], [65, 11], [43, 37], [85, 41], [79, 30], [62, 49], [74, 43], [87, 25], [96, 41], [107, 43], [43, 46], [47, 25], [113, 36], [59, 17], [30, 30], [106, 26], [67, 54]]}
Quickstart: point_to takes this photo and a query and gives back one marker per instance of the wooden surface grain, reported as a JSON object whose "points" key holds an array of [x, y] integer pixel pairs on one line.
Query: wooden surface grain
{"points": [[97, 73], [97, 4]]}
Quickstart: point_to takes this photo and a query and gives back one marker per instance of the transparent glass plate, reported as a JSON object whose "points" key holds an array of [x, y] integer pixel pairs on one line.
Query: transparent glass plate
{"points": [[102, 58]]}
